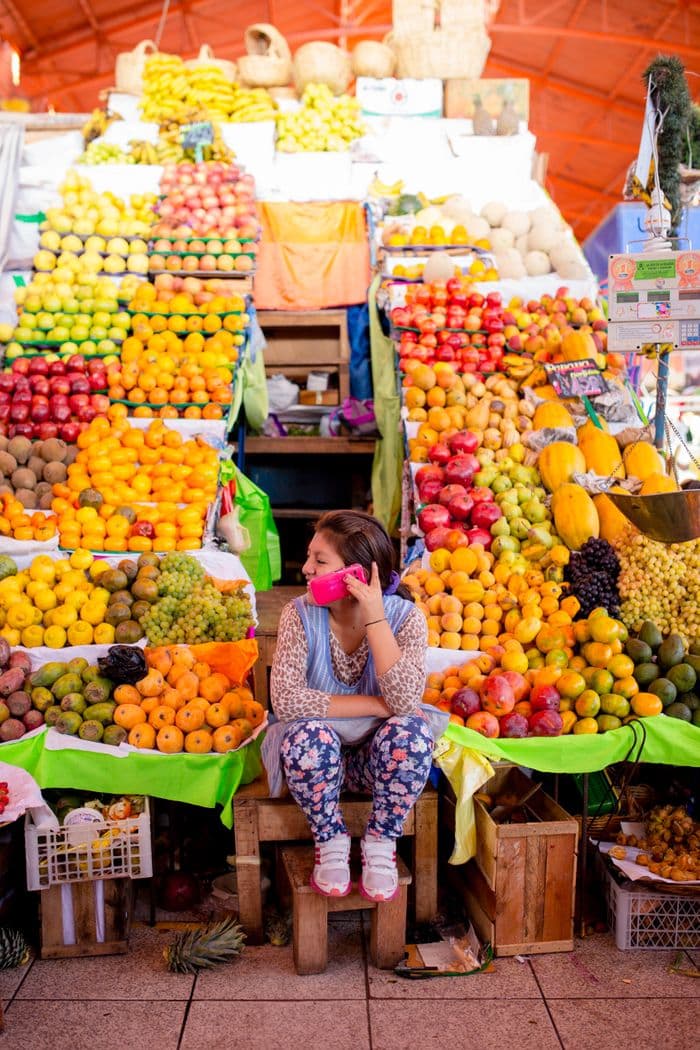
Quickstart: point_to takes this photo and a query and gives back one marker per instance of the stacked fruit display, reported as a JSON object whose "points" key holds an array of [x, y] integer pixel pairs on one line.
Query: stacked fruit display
{"points": [[69, 311], [667, 668], [174, 91], [136, 490], [28, 469], [48, 399], [324, 122], [208, 210], [659, 582], [547, 690], [85, 212], [670, 846], [83, 601]]}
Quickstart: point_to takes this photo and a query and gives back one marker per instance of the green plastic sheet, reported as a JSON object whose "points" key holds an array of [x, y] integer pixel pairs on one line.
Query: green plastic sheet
{"points": [[201, 780], [666, 741], [388, 453]]}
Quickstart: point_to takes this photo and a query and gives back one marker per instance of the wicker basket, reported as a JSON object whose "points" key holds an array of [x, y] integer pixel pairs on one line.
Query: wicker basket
{"points": [[414, 16], [269, 60], [321, 63], [206, 58], [128, 69], [445, 54], [372, 59]]}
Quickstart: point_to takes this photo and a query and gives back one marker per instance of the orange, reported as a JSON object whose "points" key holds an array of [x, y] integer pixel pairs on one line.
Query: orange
{"points": [[627, 687], [598, 654], [587, 704], [170, 740], [570, 684], [142, 736], [621, 666], [129, 715], [189, 718], [255, 712], [226, 738], [161, 715], [199, 742]]}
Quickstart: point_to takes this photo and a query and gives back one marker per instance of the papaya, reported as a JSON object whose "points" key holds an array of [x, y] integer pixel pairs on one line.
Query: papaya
{"points": [[656, 483], [102, 712], [48, 674], [642, 460], [612, 521]]}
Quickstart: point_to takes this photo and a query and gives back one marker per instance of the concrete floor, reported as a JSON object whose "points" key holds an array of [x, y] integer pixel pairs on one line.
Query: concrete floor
{"points": [[594, 997]]}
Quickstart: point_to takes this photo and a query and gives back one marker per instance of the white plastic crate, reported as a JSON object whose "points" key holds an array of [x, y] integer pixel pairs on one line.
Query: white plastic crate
{"points": [[104, 849], [646, 918]]}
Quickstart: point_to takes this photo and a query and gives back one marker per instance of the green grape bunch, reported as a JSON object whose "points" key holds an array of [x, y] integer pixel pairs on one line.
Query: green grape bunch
{"points": [[659, 582]]}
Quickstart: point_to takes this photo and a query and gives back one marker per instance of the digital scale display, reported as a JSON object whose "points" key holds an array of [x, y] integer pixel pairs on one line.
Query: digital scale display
{"points": [[654, 298]]}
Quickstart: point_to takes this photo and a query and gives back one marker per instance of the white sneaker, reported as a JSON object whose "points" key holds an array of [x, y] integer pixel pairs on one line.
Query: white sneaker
{"points": [[380, 876], [331, 874]]}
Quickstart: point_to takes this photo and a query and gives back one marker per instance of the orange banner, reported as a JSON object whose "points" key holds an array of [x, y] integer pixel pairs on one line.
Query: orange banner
{"points": [[312, 256]]}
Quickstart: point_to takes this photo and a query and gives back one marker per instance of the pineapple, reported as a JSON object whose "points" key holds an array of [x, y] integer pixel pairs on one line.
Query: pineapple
{"points": [[278, 928], [202, 948], [13, 949]]}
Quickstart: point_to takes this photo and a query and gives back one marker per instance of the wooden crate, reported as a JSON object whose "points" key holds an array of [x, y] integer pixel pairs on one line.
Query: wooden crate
{"points": [[307, 341], [117, 917], [520, 887]]}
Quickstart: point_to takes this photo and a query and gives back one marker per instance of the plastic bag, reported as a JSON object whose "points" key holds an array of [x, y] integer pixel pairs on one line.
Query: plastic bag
{"points": [[123, 663], [262, 560], [356, 416]]}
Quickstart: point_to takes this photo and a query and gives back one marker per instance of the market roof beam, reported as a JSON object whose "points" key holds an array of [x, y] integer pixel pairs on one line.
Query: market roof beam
{"points": [[21, 21], [616, 39]]}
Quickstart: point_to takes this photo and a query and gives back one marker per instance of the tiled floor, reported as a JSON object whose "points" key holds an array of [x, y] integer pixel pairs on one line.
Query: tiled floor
{"points": [[595, 996]]}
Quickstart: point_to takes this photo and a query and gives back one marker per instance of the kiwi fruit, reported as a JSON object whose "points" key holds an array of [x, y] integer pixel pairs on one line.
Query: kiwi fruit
{"points": [[42, 488], [53, 449], [55, 473], [129, 568], [45, 501], [148, 559], [71, 455], [6, 487], [36, 465], [21, 448], [8, 464], [27, 498], [23, 478]]}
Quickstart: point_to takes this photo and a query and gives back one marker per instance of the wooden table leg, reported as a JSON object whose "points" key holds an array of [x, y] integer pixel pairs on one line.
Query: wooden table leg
{"points": [[425, 857], [388, 931], [310, 932], [248, 875]]}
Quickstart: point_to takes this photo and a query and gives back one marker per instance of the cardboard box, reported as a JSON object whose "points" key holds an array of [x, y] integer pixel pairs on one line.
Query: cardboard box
{"points": [[390, 97], [460, 94]]}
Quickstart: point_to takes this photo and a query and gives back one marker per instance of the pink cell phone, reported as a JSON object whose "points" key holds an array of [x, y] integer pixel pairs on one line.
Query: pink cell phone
{"points": [[329, 588]]}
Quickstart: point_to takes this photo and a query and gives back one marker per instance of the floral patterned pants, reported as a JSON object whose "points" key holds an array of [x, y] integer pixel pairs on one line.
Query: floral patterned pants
{"points": [[393, 765]]}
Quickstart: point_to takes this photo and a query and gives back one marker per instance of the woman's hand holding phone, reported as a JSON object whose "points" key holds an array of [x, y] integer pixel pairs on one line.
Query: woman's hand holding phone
{"points": [[367, 595]]}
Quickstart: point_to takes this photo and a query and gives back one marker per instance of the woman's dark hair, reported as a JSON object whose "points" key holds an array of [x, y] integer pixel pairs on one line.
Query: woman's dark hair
{"points": [[358, 537]]}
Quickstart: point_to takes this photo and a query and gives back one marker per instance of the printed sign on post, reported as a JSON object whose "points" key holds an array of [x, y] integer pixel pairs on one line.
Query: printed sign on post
{"points": [[576, 379], [195, 136]]}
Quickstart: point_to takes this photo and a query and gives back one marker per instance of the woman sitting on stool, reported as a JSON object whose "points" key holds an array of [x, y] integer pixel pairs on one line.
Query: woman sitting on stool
{"points": [[346, 686]]}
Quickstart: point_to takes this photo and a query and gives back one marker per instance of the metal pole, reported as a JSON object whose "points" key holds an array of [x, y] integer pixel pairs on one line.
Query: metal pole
{"points": [[661, 396]]}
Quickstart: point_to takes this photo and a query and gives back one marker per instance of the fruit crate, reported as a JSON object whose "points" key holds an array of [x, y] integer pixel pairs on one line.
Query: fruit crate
{"points": [[646, 918], [85, 919], [100, 849]]}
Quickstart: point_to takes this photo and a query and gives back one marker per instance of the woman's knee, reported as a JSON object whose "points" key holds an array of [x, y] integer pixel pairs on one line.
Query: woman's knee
{"points": [[405, 729], [306, 733]]}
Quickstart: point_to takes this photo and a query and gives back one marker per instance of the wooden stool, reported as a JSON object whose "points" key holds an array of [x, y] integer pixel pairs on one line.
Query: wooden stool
{"points": [[310, 929], [258, 818]]}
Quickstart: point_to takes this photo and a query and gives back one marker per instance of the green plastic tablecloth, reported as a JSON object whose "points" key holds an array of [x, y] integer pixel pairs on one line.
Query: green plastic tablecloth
{"points": [[668, 741], [202, 780]]}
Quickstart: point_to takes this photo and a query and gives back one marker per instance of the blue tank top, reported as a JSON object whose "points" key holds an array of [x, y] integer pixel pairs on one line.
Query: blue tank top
{"points": [[319, 666]]}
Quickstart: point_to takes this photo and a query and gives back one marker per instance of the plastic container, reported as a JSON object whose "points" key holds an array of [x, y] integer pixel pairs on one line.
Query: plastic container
{"points": [[81, 852], [647, 918]]}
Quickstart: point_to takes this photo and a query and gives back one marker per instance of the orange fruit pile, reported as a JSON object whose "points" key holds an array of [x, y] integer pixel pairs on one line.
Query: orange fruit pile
{"points": [[167, 374], [182, 705], [17, 523], [186, 296], [148, 473]]}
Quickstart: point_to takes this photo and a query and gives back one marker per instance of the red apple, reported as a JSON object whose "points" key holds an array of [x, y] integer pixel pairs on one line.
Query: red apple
{"points": [[69, 432], [100, 403], [57, 368], [38, 366], [518, 683], [545, 723], [79, 383], [497, 696], [20, 410], [47, 430], [544, 698], [465, 702], [23, 429], [60, 385], [60, 409], [514, 725], [7, 381], [433, 516]]}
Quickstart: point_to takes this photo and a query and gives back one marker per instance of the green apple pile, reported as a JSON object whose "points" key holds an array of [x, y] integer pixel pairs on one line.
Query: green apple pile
{"points": [[84, 211], [323, 124]]}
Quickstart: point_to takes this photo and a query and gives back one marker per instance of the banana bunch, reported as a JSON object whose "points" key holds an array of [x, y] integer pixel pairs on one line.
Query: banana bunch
{"points": [[165, 84], [251, 104], [143, 152], [209, 89], [97, 124], [384, 189]]}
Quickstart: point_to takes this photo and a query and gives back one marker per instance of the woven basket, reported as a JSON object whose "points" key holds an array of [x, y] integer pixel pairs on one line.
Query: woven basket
{"points": [[264, 39], [128, 69], [445, 54], [321, 63], [372, 59], [206, 58], [414, 16]]}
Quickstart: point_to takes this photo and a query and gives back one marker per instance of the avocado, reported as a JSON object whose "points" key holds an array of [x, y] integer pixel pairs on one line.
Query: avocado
{"points": [[114, 735], [691, 700], [696, 716], [694, 660], [48, 674], [683, 677], [91, 730], [638, 650], [67, 683], [69, 722], [679, 710], [73, 702], [665, 690], [671, 651], [102, 712], [645, 673], [650, 634]]}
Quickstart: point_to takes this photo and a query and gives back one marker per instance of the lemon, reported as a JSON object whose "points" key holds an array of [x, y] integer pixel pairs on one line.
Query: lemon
{"points": [[62, 590], [35, 587], [74, 578], [62, 567], [77, 599], [32, 636], [80, 633], [42, 569], [80, 558], [98, 567], [45, 599], [64, 615], [37, 615], [103, 634], [93, 611], [100, 594], [54, 637], [20, 615]]}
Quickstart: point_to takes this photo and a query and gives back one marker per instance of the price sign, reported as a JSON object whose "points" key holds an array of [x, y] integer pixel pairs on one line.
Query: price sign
{"points": [[576, 379], [195, 136]]}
